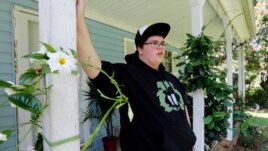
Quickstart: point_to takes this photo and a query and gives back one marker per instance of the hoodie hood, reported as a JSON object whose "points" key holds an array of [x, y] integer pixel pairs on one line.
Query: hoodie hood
{"points": [[134, 59]]}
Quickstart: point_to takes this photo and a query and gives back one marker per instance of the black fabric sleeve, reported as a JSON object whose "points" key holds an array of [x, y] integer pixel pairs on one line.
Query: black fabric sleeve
{"points": [[103, 83]]}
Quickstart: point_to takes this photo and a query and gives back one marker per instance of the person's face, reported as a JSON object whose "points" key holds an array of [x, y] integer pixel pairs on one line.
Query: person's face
{"points": [[153, 51]]}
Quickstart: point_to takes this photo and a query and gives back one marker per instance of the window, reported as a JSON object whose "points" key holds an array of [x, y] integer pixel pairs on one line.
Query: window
{"points": [[167, 62], [26, 37], [129, 46], [170, 63]]}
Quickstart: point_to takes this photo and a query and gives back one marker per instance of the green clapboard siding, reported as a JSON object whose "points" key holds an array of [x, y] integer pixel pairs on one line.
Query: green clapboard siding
{"points": [[108, 41], [6, 111], [5, 57], [6, 68], [6, 47], [8, 114]]}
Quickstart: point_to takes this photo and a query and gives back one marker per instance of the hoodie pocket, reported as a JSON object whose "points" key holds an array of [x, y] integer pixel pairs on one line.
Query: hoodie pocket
{"points": [[178, 138]]}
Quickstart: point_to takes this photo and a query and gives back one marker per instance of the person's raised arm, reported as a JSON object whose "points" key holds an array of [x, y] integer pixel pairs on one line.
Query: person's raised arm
{"points": [[85, 49]]}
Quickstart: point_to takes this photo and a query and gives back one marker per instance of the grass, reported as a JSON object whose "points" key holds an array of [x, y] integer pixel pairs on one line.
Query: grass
{"points": [[258, 139], [259, 118]]}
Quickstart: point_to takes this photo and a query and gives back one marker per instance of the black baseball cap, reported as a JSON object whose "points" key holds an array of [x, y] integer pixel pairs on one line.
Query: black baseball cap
{"points": [[146, 31]]}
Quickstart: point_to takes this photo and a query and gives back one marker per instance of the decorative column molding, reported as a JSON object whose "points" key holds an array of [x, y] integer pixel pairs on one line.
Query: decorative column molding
{"points": [[198, 95], [57, 26]]}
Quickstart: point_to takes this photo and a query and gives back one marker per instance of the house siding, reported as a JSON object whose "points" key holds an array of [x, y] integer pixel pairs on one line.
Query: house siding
{"points": [[108, 40], [7, 114], [7, 72]]}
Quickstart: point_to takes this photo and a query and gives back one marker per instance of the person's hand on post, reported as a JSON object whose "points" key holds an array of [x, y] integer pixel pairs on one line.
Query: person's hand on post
{"points": [[80, 8]]}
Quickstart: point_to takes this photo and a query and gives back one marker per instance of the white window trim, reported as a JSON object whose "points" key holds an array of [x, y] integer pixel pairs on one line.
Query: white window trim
{"points": [[175, 69], [21, 18], [126, 42]]}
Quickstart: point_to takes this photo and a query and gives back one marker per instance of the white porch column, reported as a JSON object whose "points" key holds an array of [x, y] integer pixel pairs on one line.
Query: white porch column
{"points": [[198, 96], [60, 120], [241, 72], [229, 76]]}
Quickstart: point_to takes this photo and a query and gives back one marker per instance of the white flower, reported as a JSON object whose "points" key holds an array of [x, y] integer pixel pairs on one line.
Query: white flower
{"points": [[10, 92], [3, 137], [62, 62]]}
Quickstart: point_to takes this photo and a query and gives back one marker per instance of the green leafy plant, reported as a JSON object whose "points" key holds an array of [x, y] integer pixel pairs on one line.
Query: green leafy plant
{"points": [[252, 136], [97, 107], [256, 95], [25, 94], [203, 57], [118, 102]]}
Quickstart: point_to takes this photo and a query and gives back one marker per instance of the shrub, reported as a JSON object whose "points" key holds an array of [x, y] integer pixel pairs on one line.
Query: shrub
{"points": [[256, 95]]}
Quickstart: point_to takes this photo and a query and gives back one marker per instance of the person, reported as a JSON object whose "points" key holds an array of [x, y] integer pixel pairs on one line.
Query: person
{"points": [[161, 121]]}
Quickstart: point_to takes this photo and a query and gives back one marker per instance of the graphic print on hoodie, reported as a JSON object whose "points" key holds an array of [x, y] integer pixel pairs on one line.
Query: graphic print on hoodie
{"points": [[169, 101]]}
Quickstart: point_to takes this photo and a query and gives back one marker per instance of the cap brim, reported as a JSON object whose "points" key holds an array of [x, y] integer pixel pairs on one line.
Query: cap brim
{"points": [[161, 29]]}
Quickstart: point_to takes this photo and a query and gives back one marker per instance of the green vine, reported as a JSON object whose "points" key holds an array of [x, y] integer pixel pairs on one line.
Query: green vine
{"points": [[119, 101]]}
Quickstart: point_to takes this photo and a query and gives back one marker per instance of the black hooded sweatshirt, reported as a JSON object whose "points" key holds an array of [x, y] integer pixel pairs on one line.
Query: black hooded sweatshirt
{"points": [[157, 101]]}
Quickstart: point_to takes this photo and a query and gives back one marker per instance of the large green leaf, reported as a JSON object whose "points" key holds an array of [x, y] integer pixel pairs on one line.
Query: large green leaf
{"points": [[37, 56], [217, 116], [211, 125], [29, 89], [244, 126], [236, 113], [74, 53], [197, 63], [228, 103], [208, 119], [18, 87], [244, 129], [180, 64], [5, 84], [26, 101], [49, 47], [45, 68], [28, 77]]}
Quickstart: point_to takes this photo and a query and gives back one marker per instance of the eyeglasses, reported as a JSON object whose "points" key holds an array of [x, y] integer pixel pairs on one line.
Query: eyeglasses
{"points": [[155, 44]]}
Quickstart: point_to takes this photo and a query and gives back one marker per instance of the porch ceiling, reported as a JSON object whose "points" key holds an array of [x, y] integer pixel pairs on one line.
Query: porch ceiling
{"points": [[130, 15], [242, 14]]}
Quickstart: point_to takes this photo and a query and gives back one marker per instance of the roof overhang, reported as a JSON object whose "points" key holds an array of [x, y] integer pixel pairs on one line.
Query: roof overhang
{"points": [[130, 15], [240, 14]]}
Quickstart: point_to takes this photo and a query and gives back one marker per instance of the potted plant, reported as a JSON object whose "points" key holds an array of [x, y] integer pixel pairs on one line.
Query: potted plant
{"points": [[97, 107]]}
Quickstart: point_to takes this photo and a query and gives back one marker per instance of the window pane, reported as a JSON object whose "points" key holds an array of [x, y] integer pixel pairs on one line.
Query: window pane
{"points": [[168, 61]]}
